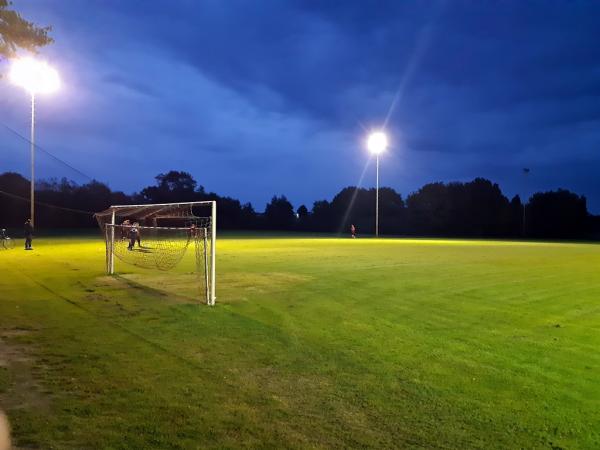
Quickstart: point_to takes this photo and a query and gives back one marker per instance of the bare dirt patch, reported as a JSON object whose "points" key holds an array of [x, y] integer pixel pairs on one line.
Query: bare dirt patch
{"points": [[19, 387]]}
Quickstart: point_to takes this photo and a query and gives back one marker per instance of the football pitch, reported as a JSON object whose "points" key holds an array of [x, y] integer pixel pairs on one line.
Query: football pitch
{"points": [[313, 343]]}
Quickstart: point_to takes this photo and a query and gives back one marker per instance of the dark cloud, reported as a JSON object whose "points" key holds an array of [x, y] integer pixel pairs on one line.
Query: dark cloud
{"points": [[275, 94]]}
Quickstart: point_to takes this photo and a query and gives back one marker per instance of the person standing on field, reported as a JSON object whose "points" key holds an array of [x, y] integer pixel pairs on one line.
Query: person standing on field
{"points": [[137, 234], [133, 236], [353, 231], [28, 229]]}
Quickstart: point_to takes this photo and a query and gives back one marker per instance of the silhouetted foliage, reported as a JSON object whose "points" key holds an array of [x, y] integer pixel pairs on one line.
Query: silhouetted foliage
{"points": [[476, 208], [16, 32], [58, 203], [557, 214], [171, 187], [279, 214], [593, 230], [321, 217], [356, 206], [13, 211], [302, 211], [516, 216]]}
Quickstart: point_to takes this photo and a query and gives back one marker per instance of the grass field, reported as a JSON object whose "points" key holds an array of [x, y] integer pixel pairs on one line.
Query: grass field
{"points": [[314, 343]]}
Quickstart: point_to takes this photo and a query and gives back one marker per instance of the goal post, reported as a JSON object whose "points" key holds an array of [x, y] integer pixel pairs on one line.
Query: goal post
{"points": [[156, 236], [111, 254], [213, 254]]}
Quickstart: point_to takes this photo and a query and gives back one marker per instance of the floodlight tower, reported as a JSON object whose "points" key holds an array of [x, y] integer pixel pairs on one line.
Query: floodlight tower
{"points": [[377, 143], [35, 77]]}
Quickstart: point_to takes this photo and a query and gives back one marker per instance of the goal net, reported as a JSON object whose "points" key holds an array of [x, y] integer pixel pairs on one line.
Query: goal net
{"points": [[157, 236]]}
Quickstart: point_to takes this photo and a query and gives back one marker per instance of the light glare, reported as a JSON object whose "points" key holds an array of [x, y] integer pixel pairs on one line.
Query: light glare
{"points": [[377, 142], [34, 76]]}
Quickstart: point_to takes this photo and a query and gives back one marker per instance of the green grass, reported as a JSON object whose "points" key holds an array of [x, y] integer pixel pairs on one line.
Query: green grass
{"points": [[314, 343]]}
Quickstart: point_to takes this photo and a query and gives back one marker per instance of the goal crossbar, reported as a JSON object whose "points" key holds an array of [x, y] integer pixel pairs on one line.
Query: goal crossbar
{"points": [[155, 228], [206, 203]]}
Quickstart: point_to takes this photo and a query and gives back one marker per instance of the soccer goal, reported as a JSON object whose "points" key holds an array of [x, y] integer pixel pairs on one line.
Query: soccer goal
{"points": [[157, 236]]}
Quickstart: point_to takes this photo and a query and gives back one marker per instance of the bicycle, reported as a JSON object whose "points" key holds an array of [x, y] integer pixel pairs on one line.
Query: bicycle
{"points": [[6, 242]]}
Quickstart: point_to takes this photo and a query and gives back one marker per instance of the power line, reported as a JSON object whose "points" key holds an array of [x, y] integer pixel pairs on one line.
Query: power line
{"points": [[37, 147], [48, 205]]}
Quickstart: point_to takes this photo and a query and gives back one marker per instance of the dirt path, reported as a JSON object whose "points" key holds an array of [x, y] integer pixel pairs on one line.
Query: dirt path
{"points": [[18, 386]]}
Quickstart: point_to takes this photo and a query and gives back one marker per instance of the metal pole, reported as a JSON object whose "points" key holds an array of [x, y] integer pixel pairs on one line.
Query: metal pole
{"points": [[524, 217], [32, 150], [111, 247], [206, 274], [213, 253], [377, 201], [525, 172]]}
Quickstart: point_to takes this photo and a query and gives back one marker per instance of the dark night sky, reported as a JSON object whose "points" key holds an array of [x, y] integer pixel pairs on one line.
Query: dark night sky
{"points": [[256, 98]]}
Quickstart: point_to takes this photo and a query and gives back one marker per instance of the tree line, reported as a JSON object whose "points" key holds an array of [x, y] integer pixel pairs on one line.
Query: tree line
{"points": [[472, 209]]}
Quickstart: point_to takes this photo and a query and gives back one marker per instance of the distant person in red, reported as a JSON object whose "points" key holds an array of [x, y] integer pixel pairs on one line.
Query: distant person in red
{"points": [[28, 229], [353, 231]]}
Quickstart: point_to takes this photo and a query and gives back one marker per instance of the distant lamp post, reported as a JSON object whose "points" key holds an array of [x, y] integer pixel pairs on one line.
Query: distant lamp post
{"points": [[36, 77], [526, 172], [377, 143]]}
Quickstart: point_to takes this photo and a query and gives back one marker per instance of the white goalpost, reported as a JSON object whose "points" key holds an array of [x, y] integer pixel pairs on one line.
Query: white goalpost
{"points": [[156, 236]]}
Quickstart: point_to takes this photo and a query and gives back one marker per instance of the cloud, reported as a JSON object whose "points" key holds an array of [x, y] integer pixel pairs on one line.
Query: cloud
{"points": [[274, 97]]}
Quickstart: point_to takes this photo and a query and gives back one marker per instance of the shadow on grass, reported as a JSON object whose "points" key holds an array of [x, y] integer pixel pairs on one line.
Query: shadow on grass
{"points": [[158, 294]]}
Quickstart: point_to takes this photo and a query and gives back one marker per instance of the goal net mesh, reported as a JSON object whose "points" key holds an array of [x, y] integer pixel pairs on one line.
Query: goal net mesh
{"points": [[158, 236]]}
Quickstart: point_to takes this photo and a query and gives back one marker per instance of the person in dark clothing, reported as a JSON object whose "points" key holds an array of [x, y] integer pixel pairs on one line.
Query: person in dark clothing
{"points": [[133, 236], [138, 234], [28, 229]]}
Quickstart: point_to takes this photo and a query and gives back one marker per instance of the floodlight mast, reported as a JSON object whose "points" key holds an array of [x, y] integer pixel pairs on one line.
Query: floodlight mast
{"points": [[35, 77], [377, 143]]}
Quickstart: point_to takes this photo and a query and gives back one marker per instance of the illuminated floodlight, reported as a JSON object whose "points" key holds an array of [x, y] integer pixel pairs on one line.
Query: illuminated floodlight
{"points": [[377, 142], [34, 76]]}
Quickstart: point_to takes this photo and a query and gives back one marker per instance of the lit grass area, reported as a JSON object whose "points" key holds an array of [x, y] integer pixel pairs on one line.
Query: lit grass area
{"points": [[313, 343]]}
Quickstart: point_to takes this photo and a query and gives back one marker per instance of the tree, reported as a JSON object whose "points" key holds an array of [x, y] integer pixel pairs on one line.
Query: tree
{"points": [[476, 208], [320, 217], [279, 214], [557, 214], [16, 32], [303, 218], [14, 195], [173, 186], [427, 209], [392, 212], [473, 209], [516, 216], [354, 205], [302, 211], [248, 217]]}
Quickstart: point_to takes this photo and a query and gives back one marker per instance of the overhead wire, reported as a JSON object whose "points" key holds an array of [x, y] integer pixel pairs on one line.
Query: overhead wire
{"points": [[54, 157], [48, 205]]}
